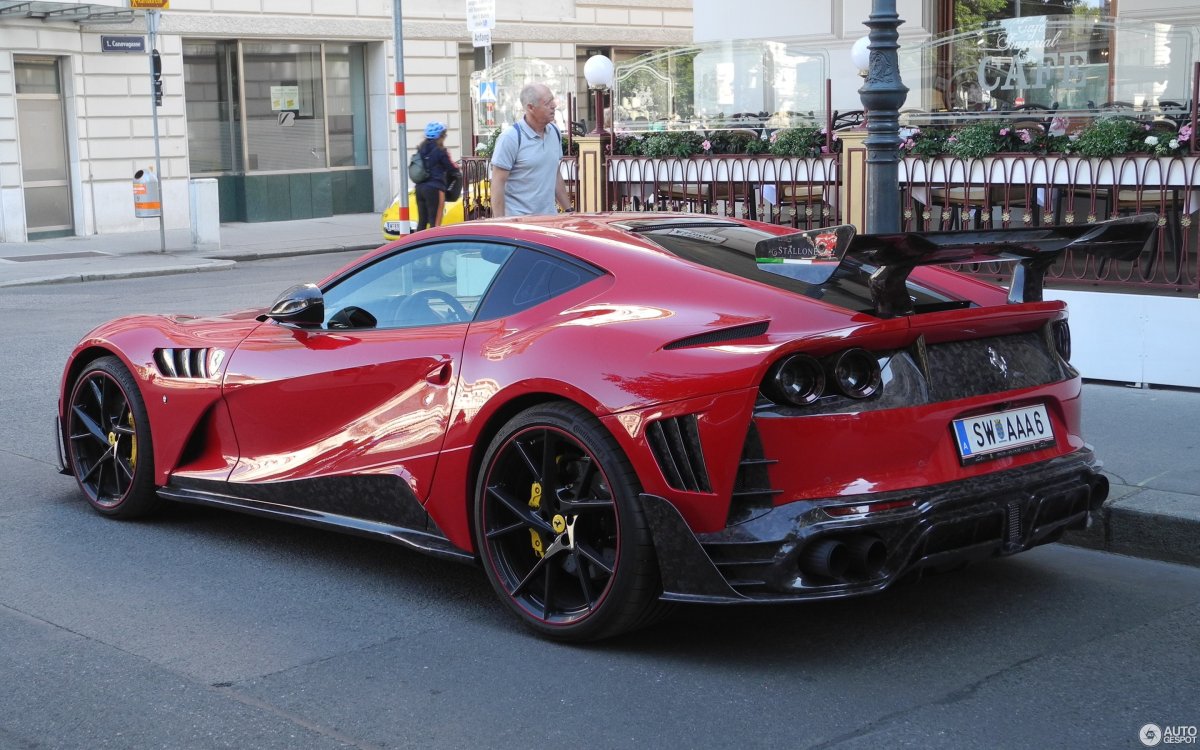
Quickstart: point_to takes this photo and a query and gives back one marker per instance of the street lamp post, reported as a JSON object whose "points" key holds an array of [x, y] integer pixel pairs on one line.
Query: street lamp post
{"points": [[598, 70], [883, 95]]}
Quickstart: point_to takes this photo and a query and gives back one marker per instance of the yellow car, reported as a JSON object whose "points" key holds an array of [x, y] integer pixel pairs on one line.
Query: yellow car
{"points": [[452, 214]]}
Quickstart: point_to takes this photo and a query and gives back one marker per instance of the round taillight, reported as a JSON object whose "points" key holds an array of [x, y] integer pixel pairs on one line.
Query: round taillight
{"points": [[1062, 339], [856, 374], [797, 380]]}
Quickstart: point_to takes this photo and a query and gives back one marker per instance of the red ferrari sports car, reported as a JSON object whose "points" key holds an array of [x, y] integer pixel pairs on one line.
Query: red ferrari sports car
{"points": [[615, 412]]}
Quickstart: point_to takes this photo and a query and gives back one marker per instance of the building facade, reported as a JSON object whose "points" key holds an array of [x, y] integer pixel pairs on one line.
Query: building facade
{"points": [[287, 103]]}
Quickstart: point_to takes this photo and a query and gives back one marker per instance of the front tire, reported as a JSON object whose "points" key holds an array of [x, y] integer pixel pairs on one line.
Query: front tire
{"points": [[559, 530], [108, 441]]}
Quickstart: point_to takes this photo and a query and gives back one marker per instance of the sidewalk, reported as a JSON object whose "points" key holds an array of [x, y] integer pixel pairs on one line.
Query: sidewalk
{"points": [[134, 254], [1146, 438]]}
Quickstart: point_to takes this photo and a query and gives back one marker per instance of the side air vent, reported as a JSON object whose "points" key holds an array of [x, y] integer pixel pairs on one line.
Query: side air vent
{"points": [[182, 363], [748, 331], [676, 445], [752, 491]]}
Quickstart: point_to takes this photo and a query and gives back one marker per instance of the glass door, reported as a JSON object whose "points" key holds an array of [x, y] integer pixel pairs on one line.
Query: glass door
{"points": [[45, 166]]}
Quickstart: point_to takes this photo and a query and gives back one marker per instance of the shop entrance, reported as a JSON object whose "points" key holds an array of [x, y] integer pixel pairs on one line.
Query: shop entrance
{"points": [[45, 165]]}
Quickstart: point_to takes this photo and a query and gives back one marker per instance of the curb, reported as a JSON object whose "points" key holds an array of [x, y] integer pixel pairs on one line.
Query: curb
{"points": [[293, 252], [1132, 522], [64, 278]]}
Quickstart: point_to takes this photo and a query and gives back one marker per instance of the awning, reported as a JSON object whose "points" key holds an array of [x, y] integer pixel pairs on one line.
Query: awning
{"points": [[65, 12]]}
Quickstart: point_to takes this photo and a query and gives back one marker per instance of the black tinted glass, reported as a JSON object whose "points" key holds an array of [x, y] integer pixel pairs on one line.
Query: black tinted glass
{"points": [[730, 248], [529, 278]]}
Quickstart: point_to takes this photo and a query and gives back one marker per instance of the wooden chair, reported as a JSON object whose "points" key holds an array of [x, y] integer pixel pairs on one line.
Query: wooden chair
{"points": [[803, 204], [849, 119]]}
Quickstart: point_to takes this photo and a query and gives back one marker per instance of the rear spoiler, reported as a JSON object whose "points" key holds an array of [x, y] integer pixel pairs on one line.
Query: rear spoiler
{"points": [[1034, 249]]}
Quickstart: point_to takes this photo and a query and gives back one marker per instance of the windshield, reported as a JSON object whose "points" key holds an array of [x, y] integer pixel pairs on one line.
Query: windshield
{"points": [[730, 248]]}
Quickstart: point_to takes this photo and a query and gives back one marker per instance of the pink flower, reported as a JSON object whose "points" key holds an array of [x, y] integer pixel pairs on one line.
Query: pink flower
{"points": [[1058, 126], [706, 145], [952, 139], [774, 135], [1004, 131], [1185, 133], [908, 145], [1026, 136]]}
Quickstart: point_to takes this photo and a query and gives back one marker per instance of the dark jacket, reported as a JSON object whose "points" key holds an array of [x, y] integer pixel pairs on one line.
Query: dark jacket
{"points": [[437, 161]]}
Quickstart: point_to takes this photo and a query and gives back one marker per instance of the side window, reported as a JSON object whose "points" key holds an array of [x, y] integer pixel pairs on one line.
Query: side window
{"points": [[427, 285], [529, 278]]}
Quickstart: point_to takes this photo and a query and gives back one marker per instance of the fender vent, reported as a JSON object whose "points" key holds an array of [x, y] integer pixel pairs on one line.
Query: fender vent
{"points": [[676, 446], [182, 363], [748, 331], [753, 494]]}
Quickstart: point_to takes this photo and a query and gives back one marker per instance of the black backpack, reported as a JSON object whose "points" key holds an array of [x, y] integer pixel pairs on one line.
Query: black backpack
{"points": [[417, 171]]}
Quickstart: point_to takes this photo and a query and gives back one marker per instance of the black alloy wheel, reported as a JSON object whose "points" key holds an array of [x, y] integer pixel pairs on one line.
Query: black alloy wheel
{"points": [[559, 530], [108, 441]]}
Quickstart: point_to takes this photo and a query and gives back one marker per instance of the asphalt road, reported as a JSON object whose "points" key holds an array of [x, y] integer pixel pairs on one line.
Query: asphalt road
{"points": [[202, 629]]}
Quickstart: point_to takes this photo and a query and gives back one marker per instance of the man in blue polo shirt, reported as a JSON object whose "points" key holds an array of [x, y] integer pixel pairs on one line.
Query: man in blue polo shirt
{"points": [[525, 175]]}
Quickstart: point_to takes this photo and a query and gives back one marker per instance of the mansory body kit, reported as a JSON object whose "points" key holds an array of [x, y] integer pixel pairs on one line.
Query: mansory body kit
{"points": [[613, 412]]}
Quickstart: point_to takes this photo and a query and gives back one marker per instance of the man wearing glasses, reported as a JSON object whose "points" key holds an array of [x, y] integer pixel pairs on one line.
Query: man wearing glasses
{"points": [[526, 179]]}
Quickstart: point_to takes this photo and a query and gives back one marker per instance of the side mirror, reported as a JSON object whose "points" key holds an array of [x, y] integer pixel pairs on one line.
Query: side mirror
{"points": [[302, 305]]}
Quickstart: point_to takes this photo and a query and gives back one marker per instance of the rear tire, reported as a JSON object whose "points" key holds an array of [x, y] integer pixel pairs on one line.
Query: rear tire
{"points": [[109, 449], [559, 530]]}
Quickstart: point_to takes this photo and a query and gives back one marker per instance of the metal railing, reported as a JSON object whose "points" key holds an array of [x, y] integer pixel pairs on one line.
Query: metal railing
{"points": [[796, 191], [941, 193], [1014, 190]]}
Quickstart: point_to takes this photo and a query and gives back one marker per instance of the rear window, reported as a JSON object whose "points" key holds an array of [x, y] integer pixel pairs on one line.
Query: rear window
{"points": [[730, 248], [529, 278]]}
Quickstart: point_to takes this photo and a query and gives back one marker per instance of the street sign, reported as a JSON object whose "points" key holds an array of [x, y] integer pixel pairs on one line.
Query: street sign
{"points": [[481, 37], [150, 4], [481, 14], [487, 91], [122, 43]]}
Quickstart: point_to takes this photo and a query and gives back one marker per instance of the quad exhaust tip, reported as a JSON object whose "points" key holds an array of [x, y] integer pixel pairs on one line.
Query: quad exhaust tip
{"points": [[860, 556]]}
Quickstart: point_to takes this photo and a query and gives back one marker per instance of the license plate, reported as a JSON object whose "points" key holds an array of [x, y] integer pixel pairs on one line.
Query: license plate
{"points": [[392, 227], [1002, 433]]}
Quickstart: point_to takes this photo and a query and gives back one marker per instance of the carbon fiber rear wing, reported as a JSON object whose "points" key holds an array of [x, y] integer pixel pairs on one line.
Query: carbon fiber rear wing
{"points": [[1034, 249]]}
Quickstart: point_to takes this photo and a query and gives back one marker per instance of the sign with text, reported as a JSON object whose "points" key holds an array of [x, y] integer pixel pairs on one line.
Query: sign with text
{"points": [[150, 4], [481, 37], [285, 97], [122, 43], [481, 14]]}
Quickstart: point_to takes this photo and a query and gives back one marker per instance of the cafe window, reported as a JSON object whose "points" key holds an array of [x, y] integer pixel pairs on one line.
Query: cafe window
{"points": [[971, 14], [1072, 58], [275, 106]]}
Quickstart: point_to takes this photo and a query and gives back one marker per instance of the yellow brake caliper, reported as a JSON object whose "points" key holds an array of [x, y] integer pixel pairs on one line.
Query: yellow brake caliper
{"points": [[132, 444], [535, 502]]}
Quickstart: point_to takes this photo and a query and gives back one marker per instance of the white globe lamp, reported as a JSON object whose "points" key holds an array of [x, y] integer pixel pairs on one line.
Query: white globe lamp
{"points": [[598, 70]]}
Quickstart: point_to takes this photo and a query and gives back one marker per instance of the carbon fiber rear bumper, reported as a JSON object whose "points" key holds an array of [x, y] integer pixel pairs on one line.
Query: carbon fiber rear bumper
{"points": [[768, 559]]}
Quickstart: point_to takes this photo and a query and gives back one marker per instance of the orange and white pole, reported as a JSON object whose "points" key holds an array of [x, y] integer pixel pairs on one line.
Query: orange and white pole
{"points": [[401, 117]]}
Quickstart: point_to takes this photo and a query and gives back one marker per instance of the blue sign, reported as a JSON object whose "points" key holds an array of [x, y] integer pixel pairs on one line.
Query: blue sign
{"points": [[487, 91], [122, 43]]}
